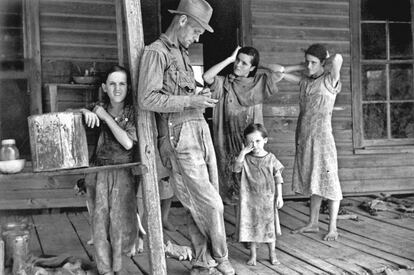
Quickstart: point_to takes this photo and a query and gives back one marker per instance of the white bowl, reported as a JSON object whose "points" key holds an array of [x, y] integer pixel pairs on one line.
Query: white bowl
{"points": [[86, 79], [12, 166]]}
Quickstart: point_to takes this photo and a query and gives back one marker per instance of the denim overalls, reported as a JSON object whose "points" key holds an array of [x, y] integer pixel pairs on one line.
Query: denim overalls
{"points": [[186, 149]]}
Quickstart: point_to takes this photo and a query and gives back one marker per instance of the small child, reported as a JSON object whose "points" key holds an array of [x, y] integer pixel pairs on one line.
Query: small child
{"points": [[260, 193], [111, 193]]}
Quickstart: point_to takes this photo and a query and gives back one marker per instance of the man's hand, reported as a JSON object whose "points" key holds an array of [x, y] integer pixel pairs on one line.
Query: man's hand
{"points": [[205, 92], [201, 102]]}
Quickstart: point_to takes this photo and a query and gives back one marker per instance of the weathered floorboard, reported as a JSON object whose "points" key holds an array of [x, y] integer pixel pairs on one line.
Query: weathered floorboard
{"points": [[362, 248], [57, 236], [368, 246], [295, 264], [364, 234], [392, 217], [356, 261], [82, 228], [264, 266]]}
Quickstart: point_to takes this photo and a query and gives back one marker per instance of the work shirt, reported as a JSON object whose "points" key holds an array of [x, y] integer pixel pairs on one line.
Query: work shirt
{"points": [[167, 85]]}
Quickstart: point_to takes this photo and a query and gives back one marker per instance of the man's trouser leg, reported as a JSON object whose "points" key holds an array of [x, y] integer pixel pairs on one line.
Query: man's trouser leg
{"points": [[195, 182]]}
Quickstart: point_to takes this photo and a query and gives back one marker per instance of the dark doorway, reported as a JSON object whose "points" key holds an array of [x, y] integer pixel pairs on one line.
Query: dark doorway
{"points": [[14, 96]]}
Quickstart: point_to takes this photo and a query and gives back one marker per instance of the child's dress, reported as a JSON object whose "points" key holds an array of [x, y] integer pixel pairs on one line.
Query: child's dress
{"points": [[257, 217], [112, 194]]}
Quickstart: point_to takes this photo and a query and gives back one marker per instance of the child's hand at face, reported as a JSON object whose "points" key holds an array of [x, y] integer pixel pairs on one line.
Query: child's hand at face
{"points": [[91, 119], [247, 149]]}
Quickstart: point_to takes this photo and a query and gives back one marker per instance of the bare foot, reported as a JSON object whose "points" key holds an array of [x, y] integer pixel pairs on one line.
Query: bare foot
{"points": [[140, 245], [309, 228], [273, 258], [331, 236], [169, 226], [133, 251], [251, 261]]}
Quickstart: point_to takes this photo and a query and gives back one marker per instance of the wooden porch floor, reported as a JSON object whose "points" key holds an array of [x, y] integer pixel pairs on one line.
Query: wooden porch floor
{"points": [[382, 244]]}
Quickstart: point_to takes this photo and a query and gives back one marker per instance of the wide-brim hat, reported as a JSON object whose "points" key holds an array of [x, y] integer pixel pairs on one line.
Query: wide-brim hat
{"points": [[199, 10]]}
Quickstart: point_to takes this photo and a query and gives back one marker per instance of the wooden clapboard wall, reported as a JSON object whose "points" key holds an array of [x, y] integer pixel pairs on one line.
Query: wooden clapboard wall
{"points": [[76, 33], [86, 32], [281, 30]]}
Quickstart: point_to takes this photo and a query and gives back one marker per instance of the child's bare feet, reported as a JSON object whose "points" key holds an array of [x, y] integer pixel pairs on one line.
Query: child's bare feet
{"points": [[253, 255], [273, 258], [331, 236], [252, 260], [309, 228]]}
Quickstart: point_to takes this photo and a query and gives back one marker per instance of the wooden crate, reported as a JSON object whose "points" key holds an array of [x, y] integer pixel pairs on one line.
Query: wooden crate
{"points": [[58, 141]]}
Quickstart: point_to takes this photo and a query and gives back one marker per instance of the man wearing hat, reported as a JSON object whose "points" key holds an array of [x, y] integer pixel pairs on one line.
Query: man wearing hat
{"points": [[167, 86]]}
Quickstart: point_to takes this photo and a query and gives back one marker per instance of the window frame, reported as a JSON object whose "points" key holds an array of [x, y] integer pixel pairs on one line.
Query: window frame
{"points": [[356, 85]]}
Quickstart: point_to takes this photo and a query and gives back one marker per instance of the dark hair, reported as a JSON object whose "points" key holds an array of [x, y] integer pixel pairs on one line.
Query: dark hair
{"points": [[117, 68], [114, 69], [253, 127], [317, 50], [255, 57]]}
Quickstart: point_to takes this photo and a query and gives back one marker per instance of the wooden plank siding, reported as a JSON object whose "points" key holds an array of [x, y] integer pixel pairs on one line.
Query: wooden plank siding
{"points": [[76, 33], [281, 30], [86, 33]]}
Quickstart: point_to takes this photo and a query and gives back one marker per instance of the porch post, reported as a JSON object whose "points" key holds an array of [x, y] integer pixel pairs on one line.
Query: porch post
{"points": [[135, 40], [32, 52]]}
